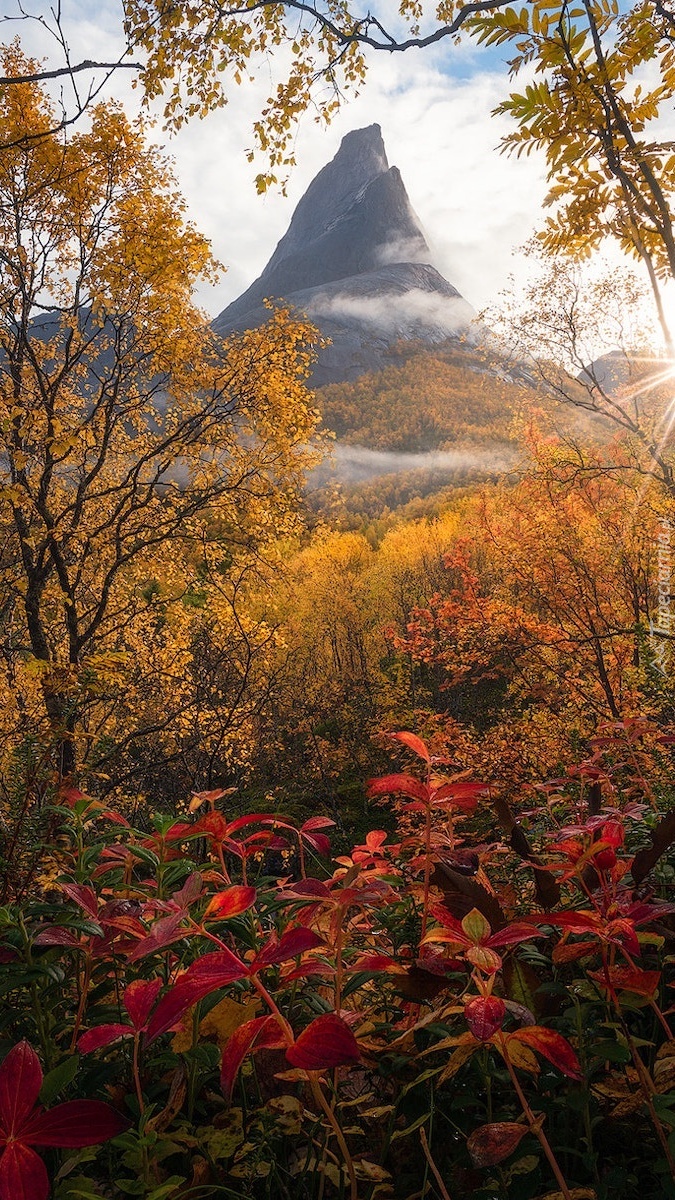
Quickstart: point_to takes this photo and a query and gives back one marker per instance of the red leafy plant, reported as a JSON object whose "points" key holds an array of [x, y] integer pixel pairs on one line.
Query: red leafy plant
{"points": [[436, 794], [24, 1124], [392, 951]]}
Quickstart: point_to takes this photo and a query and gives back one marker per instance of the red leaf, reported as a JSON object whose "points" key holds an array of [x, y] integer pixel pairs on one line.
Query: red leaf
{"points": [[575, 922], [238, 1045], [413, 743], [20, 1083], [254, 819], [318, 842], [309, 887], [570, 951], [446, 918], [164, 933], [230, 903], [102, 1035], [213, 826], [73, 1124], [629, 979], [116, 818], [550, 1045], [178, 832], [308, 967], [462, 794], [23, 1175], [491, 1144], [55, 936], [484, 1016], [327, 1042], [139, 998], [613, 833], [72, 795], [82, 895], [513, 934], [210, 972], [293, 942], [407, 784], [377, 962], [212, 795], [190, 891], [316, 823]]}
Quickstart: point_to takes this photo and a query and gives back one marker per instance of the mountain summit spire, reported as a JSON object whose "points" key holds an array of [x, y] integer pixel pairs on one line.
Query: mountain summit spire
{"points": [[356, 260]]}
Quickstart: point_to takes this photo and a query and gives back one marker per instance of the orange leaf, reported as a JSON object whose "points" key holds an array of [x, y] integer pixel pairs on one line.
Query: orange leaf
{"points": [[230, 903], [413, 743], [491, 1144], [550, 1045]]}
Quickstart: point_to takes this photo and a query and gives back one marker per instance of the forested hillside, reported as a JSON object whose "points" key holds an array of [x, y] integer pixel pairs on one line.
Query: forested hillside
{"points": [[427, 399]]}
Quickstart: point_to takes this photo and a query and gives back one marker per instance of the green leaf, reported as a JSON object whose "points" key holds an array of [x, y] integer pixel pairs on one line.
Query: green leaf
{"points": [[166, 1188], [475, 926], [610, 1052], [145, 856], [56, 1080], [524, 1165], [400, 1133], [222, 1142], [78, 1189]]}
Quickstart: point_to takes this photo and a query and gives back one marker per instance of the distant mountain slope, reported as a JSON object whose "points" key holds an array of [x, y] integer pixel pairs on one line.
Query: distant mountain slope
{"points": [[424, 399], [431, 418]]}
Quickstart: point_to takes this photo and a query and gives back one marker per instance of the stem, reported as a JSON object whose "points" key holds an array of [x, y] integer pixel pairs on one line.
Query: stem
{"points": [[338, 965], [37, 1009], [35, 996], [83, 1000], [534, 1124], [427, 871], [137, 1075], [661, 1019], [320, 1099], [274, 1008], [646, 1082], [588, 1126], [258, 985], [647, 1089], [434, 1169], [192, 1078], [301, 854], [221, 856]]}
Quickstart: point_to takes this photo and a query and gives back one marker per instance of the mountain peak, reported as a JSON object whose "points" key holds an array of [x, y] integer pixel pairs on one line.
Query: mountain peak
{"points": [[353, 224], [360, 159]]}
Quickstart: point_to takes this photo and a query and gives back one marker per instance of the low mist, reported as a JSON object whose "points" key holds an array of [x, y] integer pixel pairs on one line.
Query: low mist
{"points": [[358, 464]]}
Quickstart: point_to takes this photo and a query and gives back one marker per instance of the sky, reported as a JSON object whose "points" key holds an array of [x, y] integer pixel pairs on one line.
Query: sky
{"points": [[476, 205]]}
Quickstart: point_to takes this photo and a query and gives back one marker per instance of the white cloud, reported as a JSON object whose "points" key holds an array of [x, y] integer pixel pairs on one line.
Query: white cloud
{"points": [[400, 316], [399, 250]]}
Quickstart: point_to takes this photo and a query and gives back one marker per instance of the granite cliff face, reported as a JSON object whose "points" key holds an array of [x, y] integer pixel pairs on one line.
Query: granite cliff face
{"points": [[355, 259]]}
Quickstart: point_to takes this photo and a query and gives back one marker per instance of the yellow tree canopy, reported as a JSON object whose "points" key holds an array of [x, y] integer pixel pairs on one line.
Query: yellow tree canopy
{"points": [[126, 427]]}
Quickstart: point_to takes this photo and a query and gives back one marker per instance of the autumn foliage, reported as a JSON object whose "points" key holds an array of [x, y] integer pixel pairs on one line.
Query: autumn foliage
{"points": [[253, 943], [291, 1030]]}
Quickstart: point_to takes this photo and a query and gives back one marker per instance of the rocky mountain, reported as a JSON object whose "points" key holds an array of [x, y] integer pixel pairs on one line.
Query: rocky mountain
{"points": [[356, 260]]}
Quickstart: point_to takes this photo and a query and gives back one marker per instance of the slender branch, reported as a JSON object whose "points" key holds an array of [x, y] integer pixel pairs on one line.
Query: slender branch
{"points": [[86, 65]]}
